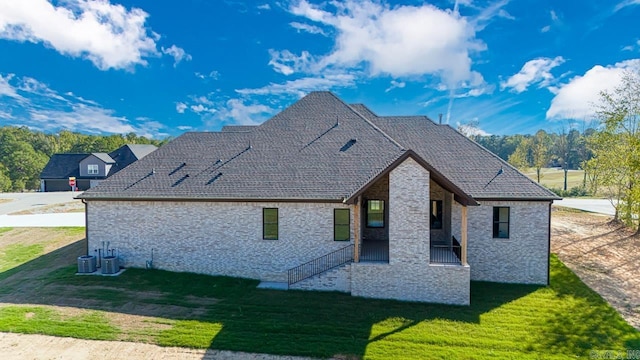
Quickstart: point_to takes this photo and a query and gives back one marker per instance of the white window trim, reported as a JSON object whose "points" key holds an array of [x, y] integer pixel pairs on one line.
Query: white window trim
{"points": [[93, 169]]}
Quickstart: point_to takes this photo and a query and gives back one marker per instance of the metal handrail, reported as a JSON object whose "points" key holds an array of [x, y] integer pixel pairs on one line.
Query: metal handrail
{"points": [[320, 264], [451, 256]]}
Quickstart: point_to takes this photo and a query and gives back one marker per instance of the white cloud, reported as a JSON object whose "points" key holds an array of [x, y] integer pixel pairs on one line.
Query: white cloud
{"points": [[312, 29], [6, 115], [237, 112], [7, 89], [184, 127], [287, 63], [181, 107], [396, 85], [402, 41], [202, 100], [40, 107], [632, 47], [264, 7], [108, 35], [625, 3], [536, 71], [177, 53], [578, 98], [471, 129], [214, 75], [302, 86], [86, 118], [199, 108], [545, 29]]}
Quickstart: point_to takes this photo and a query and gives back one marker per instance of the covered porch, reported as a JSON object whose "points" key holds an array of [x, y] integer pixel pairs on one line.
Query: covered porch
{"points": [[446, 226]]}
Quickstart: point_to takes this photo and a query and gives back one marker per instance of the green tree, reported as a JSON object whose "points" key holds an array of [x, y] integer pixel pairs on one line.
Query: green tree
{"points": [[540, 154], [521, 156], [5, 181], [616, 147]]}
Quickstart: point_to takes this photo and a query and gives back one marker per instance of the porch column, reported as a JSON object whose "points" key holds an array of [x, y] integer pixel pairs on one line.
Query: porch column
{"points": [[356, 231], [463, 231]]}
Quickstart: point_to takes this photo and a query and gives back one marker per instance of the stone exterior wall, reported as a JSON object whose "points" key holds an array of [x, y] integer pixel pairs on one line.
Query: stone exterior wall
{"points": [[523, 257], [408, 275], [216, 238], [377, 191], [443, 284], [338, 279]]}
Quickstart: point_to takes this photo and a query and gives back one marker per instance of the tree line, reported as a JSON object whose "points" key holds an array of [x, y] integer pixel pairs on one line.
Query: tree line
{"points": [[568, 150], [25, 152]]}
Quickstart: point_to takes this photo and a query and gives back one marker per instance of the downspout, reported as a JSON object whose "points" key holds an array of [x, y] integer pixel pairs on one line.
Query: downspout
{"points": [[86, 227], [549, 247]]}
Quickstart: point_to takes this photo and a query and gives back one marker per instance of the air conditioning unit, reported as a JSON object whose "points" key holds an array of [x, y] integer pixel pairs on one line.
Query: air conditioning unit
{"points": [[110, 265], [86, 264]]}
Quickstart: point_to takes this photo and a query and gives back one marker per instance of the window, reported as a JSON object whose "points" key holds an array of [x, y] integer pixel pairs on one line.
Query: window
{"points": [[92, 169], [436, 214], [501, 222], [375, 213], [270, 224], [341, 228]]}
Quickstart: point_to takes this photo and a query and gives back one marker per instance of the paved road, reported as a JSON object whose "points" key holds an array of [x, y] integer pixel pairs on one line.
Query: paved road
{"points": [[31, 201], [602, 206], [43, 220], [28, 201]]}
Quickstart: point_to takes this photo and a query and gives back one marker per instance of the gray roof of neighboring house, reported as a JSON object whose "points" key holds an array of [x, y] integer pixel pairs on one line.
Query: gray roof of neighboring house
{"points": [[319, 148], [140, 150], [61, 166], [104, 157], [128, 154]]}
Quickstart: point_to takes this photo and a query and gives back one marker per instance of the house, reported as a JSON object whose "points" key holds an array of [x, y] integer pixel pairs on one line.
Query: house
{"points": [[88, 169], [329, 196]]}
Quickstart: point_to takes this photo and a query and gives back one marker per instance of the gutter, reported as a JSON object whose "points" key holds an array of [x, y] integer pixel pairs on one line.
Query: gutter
{"points": [[86, 224]]}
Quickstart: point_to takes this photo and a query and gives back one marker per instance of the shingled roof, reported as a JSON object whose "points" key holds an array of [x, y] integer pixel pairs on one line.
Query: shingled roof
{"points": [[62, 166], [319, 148]]}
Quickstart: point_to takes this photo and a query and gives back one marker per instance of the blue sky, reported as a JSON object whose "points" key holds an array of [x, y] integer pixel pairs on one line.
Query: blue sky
{"points": [[160, 68]]}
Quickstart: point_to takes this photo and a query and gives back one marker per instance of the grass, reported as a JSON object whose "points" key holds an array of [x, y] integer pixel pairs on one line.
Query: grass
{"points": [[554, 178], [5, 229], [16, 254], [564, 320]]}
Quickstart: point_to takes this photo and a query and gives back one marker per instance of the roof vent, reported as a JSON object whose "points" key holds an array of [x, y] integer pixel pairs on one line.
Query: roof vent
{"points": [[178, 168], [180, 180], [348, 145], [214, 179]]}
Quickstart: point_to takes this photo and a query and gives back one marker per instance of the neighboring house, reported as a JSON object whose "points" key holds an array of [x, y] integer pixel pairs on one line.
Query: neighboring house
{"points": [[88, 169], [329, 196]]}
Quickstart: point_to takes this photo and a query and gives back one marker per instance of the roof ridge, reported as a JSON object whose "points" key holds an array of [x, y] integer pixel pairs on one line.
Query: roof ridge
{"points": [[497, 157], [374, 126]]}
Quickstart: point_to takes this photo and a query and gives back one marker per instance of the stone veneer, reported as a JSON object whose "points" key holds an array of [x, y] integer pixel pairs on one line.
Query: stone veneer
{"points": [[216, 238], [523, 257], [408, 275]]}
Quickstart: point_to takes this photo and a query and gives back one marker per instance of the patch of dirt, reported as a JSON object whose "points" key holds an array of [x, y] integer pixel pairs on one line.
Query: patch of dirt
{"points": [[5, 200], [603, 254], [67, 207], [21, 346]]}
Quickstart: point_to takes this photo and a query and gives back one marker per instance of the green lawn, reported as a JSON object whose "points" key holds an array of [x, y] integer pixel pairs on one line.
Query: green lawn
{"points": [[554, 178], [564, 320]]}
